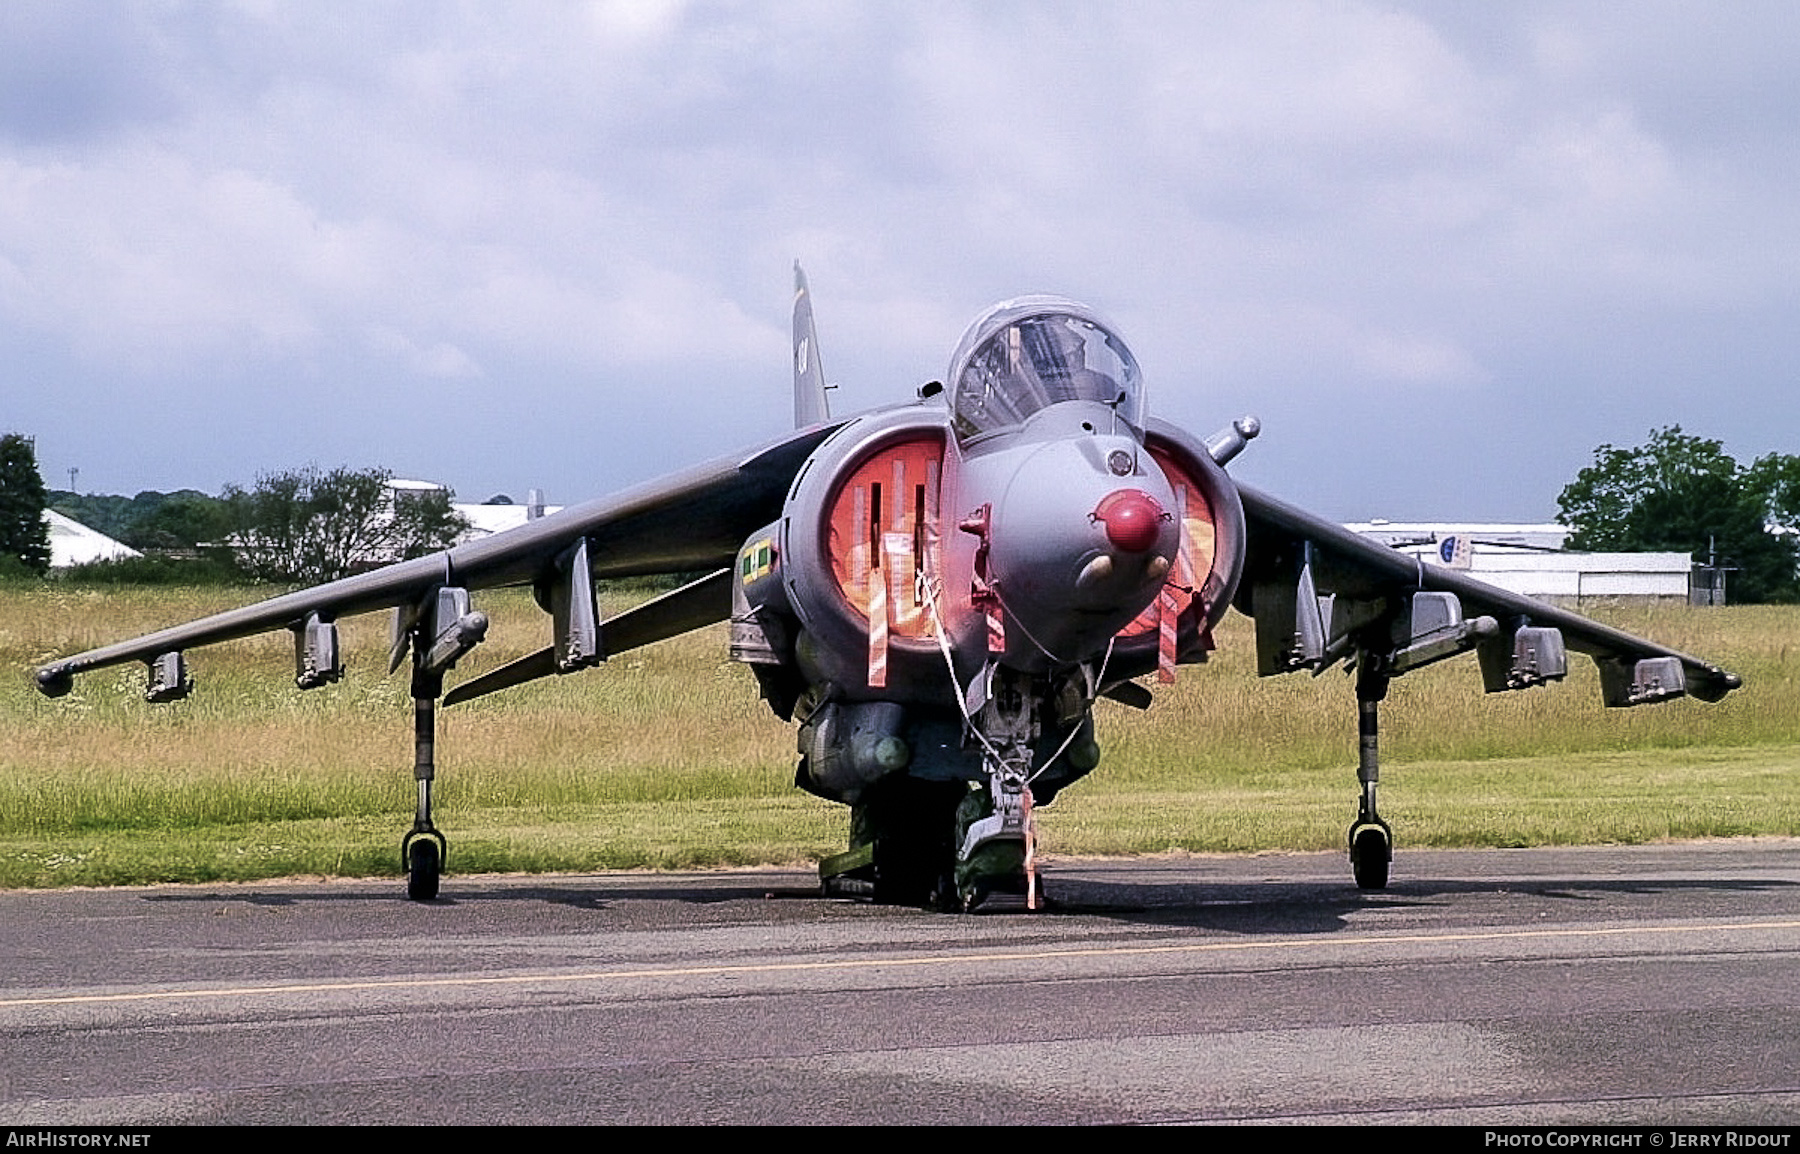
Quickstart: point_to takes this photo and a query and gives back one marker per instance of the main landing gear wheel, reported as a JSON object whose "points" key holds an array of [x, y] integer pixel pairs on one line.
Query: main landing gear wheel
{"points": [[901, 851], [1371, 849], [424, 859]]}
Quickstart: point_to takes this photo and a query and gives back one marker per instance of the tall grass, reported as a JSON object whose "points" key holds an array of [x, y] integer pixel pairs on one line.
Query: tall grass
{"points": [[666, 757]]}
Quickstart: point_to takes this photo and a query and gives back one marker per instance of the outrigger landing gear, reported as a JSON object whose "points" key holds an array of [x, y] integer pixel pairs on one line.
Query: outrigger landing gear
{"points": [[439, 630], [1371, 839], [423, 850], [422, 857]]}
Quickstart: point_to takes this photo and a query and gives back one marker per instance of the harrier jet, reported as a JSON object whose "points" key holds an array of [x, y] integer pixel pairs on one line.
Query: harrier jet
{"points": [[938, 594]]}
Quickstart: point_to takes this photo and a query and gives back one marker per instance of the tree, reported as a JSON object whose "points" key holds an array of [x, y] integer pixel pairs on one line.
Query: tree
{"points": [[1776, 479], [309, 526], [24, 534], [152, 521], [1683, 493], [176, 522]]}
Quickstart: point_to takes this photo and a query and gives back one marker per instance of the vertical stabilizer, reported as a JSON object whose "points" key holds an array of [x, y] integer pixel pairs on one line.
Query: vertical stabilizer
{"points": [[810, 405]]}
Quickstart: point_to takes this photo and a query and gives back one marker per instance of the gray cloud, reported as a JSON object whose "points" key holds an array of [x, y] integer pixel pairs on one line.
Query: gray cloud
{"points": [[1444, 250]]}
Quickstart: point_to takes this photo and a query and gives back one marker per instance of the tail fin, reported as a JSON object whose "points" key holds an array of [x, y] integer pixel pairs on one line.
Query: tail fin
{"points": [[810, 404]]}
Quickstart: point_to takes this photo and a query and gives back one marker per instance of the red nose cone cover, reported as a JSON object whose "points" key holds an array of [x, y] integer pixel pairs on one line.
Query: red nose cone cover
{"points": [[1132, 518]]}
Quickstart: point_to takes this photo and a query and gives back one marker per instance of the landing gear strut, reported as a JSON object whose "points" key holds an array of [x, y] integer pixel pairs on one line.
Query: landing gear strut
{"points": [[1371, 839], [439, 630], [423, 850]]}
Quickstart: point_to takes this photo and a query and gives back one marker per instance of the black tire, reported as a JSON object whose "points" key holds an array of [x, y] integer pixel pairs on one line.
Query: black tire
{"points": [[905, 875], [913, 826], [423, 868], [945, 899], [1370, 854]]}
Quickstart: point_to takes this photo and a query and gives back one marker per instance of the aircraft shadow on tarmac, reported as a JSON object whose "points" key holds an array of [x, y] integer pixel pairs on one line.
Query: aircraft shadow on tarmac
{"points": [[1251, 906], [1306, 908]]}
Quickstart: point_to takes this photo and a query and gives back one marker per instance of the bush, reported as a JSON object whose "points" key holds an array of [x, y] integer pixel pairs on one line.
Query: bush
{"points": [[14, 571], [153, 570]]}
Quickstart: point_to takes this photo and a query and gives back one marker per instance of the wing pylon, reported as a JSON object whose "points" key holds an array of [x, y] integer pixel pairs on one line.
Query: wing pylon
{"points": [[690, 607]]}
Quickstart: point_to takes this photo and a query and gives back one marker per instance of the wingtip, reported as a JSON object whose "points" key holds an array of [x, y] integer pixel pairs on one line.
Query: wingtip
{"points": [[54, 681], [1716, 684]]}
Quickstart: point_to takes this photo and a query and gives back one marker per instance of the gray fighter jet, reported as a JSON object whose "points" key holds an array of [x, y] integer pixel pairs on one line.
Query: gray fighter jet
{"points": [[939, 593]]}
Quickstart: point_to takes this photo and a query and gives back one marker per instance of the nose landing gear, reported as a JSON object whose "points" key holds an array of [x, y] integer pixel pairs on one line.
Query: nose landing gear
{"points": [[996, 842]]}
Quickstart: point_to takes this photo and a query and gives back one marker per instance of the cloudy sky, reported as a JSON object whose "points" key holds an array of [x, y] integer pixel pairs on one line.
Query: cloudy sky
{"points": [[1442, 250]]}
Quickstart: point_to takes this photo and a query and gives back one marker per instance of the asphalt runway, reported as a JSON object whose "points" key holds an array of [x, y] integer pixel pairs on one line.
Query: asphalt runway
{"points": [[1616, 985]]}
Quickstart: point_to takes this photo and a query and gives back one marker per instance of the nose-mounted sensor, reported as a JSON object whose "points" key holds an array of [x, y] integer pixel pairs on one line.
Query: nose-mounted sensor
{"points": [[1133, 519]]}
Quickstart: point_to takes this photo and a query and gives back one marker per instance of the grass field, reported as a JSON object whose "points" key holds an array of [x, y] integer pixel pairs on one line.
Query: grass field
{"points": [[665, 757]]}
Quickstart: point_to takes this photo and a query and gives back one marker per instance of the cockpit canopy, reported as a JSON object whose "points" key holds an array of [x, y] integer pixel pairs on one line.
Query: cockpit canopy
{"points": [[1028, 354]]}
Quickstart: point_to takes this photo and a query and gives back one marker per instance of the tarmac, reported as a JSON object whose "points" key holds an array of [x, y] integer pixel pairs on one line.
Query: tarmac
{"points": [[1599, 986]]}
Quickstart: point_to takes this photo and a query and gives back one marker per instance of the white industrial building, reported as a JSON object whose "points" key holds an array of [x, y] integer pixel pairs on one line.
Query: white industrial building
{"points": [[72, 543], [1410, 534], [1528, 559], [498, 514], [494, 515]]}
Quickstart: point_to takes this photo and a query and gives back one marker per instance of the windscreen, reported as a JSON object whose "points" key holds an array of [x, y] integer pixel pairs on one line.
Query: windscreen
{"points": [[1027, 355]]}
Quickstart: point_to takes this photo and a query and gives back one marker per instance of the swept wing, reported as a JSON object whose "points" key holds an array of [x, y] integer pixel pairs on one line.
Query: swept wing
{"points": [[692, 521], [1298, 561]]}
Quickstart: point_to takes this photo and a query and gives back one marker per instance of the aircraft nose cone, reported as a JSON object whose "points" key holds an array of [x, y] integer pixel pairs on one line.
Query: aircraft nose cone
{"points": [[1133, 519]]}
